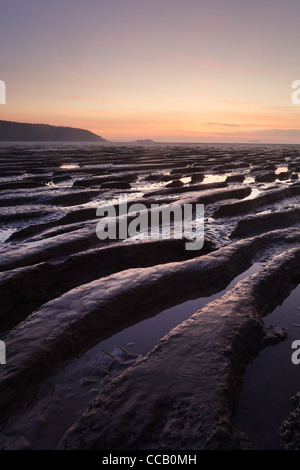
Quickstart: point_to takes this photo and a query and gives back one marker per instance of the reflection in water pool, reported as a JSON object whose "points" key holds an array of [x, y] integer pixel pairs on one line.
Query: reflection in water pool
{"points": [[271, 379], [249, 180], [139, 339], [69, 166], [186, 179], [214, 178], [254, 192], [143, 336], [5, 234], [281, 169]]}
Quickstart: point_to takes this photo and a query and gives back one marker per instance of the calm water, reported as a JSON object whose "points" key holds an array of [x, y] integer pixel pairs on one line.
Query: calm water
{"points": [[139, 339], [271, 379]]}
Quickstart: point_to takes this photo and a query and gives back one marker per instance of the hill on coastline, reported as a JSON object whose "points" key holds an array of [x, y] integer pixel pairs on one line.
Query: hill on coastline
{"points": [[22, 132]]}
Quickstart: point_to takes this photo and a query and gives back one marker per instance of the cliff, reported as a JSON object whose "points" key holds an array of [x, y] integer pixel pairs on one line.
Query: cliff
{"points": [[21, 132]]}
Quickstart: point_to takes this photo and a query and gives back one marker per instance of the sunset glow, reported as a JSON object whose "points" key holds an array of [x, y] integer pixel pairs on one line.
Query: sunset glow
{"points": [[168, 70]]}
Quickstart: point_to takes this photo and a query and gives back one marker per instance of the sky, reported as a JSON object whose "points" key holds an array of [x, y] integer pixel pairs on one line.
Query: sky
{"points": [[167, 70]]}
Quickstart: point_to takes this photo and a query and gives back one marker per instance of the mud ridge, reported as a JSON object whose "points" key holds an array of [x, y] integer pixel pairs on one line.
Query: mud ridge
{"points": [[182, 395]]}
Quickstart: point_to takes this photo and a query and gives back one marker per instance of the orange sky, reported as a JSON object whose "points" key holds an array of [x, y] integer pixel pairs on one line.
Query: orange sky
{"points": [[192, 70]]}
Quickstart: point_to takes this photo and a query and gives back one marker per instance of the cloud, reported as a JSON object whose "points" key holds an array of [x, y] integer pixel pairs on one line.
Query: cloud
{"points": [[222, 124], [270, 133], [75, 97], [99, 43], [280, 132]]}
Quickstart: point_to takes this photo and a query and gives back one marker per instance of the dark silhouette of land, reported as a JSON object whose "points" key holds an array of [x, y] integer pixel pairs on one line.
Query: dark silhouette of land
{"points": [[21, 132]]}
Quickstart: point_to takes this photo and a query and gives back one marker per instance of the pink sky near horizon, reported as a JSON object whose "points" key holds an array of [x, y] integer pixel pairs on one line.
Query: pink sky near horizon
{"points": [[180, 70]]}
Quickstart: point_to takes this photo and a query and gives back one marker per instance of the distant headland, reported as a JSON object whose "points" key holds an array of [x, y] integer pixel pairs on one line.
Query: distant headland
{"points": [[22, 132]]}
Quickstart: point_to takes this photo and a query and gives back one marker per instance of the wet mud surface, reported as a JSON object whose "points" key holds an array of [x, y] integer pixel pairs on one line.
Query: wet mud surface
{"points": [[140, 343]]}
